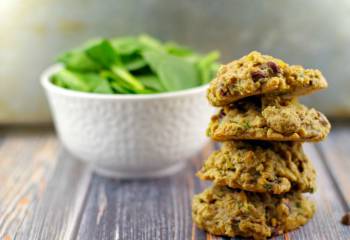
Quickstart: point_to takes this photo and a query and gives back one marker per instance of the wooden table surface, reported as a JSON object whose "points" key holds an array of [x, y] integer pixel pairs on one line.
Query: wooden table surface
{"points": [[47, 194]]}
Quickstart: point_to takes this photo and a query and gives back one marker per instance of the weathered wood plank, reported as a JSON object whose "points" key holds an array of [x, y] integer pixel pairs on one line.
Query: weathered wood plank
{"points": [[43, 191], [325, 224], [22, 177], [336, 154], [143, 209], [61, 204], [160, 209], [42, 188]]}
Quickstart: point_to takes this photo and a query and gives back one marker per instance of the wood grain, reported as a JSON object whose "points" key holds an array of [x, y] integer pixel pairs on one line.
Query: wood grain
{"points": [[325, 224], [47, 194], [336, 155], [142, 209], [40, 197], [24, 172]]}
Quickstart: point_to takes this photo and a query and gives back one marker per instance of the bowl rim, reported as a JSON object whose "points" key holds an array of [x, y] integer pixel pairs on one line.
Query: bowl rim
{"points": [[49, 86]]}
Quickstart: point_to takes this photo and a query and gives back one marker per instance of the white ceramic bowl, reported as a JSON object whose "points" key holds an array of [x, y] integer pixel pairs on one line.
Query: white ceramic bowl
{"points": [[130, 136]]}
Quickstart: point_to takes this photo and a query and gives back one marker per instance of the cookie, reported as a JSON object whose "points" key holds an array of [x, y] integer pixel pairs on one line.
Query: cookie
{"points": [[258, 166], [226, 212], [257, 74], [271, 118]]}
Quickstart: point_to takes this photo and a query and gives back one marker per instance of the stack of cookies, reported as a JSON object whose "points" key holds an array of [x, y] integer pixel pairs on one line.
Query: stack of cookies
{"points": [[261, 171]]}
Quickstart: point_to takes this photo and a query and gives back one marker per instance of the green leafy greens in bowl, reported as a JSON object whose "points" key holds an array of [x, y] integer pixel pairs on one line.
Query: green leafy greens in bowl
{"points": [[134, 65]]}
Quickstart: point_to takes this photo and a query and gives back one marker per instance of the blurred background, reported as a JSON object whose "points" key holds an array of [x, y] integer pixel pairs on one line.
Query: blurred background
{"points": [[312, 33]]}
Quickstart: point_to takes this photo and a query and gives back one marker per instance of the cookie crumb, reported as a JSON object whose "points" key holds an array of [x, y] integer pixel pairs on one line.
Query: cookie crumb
{"points": [[346, 219]]}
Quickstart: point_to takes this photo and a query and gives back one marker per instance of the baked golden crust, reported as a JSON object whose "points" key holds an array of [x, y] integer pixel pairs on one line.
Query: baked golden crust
{"points": [[223, 211], [270, 118], [258, 166], [257, 74]]}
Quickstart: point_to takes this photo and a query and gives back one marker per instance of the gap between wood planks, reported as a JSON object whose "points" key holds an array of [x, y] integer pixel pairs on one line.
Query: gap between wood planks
{"points": [[80, 199], [36, 167], [329, 171], [74, 229]]}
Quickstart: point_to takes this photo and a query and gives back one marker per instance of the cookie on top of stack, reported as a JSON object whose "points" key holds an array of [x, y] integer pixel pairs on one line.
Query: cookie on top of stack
{"points": [[261, 171]]}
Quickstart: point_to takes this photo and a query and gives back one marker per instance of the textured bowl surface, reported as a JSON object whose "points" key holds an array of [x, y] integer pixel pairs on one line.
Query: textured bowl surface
{"points": [[130, 135]]}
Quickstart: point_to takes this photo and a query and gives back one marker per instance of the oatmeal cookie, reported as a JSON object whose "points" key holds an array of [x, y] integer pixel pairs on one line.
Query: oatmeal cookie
{"points": [[272, 118], [259, 166], [228, 212], [257, 74]]}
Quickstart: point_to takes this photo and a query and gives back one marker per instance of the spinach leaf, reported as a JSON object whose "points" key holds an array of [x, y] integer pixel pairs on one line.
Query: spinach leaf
{"points": [[118, 88], [79, 61], [126, 45], [150, 43], [72, 80], [133, 62], [123, 74], [102, 52], [103, 87], [204, 66], [85, 82], [133, 65], [173, 72], [177, 50], [151, 81], [117, 83], [57, 81]]}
